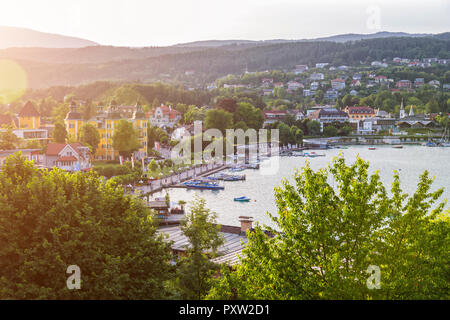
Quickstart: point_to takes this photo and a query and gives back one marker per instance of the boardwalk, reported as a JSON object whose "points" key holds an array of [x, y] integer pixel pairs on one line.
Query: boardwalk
{"points": [[176, 179]]}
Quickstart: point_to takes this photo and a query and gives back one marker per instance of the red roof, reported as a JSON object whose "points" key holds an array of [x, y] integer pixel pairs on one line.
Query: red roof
{"points": [[29, 110], [338, 80], [53, 149], [168, 111]]}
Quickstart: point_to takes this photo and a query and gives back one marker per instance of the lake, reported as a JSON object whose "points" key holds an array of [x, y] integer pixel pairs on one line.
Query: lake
{"points": [[411, 161]]}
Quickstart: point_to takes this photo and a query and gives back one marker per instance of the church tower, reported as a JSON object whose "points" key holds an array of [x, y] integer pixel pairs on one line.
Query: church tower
{"points": [[402, 111], [411, 111]]}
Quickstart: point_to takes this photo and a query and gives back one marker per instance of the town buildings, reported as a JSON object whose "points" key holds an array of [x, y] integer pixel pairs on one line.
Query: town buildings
{"points": [[105, 121]]}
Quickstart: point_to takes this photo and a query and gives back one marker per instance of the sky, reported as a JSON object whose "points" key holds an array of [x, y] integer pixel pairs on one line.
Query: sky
{"points": [[165, 22]]}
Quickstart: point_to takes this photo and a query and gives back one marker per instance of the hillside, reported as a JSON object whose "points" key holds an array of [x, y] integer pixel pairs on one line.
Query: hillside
{"points": [[21, 37], [210, 63]]}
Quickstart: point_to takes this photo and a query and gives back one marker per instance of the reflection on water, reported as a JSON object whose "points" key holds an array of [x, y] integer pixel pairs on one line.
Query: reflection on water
{"points": [[411, 161]]}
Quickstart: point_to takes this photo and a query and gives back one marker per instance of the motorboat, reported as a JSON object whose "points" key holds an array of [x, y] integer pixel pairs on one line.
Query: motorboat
{"points": [[242, 199]]}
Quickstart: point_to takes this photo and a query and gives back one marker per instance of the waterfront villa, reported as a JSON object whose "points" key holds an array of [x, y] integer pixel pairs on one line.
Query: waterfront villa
{"points": [[361, 112], [328, 115]]}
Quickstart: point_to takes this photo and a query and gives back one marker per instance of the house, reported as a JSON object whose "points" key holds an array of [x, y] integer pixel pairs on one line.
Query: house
{"points": [[397, 60], [342, 68], [403, 84], [355, 83], [430, 60], [29, 154], [294, 85], [381, 79], [271, 116], [358, 113], [316, 76], [299, 115], [379, 64], [300, 68], [314, 86], [435, 83], [328, 115], [278, 85], [321, 65], [357, 76], [353, 92], [164, 116], [26, 124], [338, 84], [70, 157], [331, 95], [267, 92], [444, 61], [309, 93], [419, 82], [446, 86]]}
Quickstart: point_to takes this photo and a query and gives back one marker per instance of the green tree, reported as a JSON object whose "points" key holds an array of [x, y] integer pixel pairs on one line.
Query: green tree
{"points": [[313, 127], [195, 271], [331, 226], [8, 140], [125, 138], [330, 131], [247, 113], [218, 119], [50, 220], [59, 133], [89, 135]]}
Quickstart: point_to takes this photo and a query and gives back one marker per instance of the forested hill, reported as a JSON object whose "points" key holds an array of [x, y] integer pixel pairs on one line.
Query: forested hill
{"points": [[210, 63]]}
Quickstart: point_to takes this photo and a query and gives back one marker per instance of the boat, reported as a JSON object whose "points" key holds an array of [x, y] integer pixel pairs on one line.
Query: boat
{"points": [[237, 169], [233, 178], [372, 148], [202, 184], [242, 199], [297, 154], [398, 147]]}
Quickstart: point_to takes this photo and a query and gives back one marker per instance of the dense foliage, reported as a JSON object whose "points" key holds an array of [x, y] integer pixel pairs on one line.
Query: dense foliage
{"points": [[331, 226]]}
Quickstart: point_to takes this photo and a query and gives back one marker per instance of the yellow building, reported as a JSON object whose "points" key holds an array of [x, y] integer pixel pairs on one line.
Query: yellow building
{"points": [[360, 113], [73, 121], [29, 117], [105, 122]]}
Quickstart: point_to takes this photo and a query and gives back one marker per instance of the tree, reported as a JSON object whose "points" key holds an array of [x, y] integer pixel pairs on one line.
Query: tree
{"points": [[59, 133], [247, 113], [218, 119], [196, 269], [125, 138], [331, 226], [330, 131], [8, 140], [227, 104], [89, 135], [58, 219], [313, 127]]}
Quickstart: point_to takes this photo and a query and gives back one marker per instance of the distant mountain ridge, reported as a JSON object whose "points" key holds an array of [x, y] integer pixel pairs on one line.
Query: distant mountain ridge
{"points": [[11, 37], [336, 38]]}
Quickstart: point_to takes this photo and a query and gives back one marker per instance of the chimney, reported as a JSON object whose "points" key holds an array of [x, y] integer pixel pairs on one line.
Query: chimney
{"points": [[246, 223]]}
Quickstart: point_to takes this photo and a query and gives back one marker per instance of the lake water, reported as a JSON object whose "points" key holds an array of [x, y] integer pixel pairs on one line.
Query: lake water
{"points": [[411, 161]]}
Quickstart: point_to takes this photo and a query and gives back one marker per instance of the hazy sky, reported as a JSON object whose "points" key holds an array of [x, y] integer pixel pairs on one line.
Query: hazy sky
{"points": [[165, 22]]}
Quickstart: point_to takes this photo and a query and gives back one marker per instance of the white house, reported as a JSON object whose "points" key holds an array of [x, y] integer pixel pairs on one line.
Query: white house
{"points": [[164, 116]]}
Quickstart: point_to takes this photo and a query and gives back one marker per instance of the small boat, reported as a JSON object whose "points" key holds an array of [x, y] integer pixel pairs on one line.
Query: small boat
{"points": [[237, 169], [398, 147], [242, 199], [372, 148]]}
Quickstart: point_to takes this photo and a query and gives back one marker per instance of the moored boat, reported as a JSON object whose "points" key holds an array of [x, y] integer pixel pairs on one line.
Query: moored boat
{"points": [[242, 199]]}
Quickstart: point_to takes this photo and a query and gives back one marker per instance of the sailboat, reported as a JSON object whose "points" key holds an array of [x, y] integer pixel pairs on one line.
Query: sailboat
{"points": [[444, 142]]}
